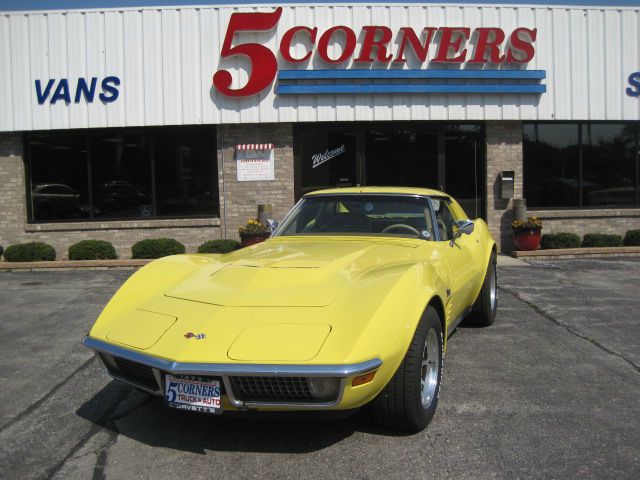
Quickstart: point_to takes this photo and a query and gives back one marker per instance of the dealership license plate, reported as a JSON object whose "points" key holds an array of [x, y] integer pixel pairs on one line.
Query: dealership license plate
{"points": [[193, 393]]}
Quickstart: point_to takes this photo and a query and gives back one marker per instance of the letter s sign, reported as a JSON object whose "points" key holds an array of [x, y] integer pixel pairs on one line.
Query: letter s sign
{"points": [[634, 81], [264, 65]]}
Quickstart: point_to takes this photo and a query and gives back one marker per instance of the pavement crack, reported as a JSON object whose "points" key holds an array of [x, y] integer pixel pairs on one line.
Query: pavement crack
{"points": [[46, 396], [105, 423], [572, 331]]}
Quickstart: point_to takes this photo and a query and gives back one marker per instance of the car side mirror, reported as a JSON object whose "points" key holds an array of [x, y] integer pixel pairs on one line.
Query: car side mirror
{"points": [[464, 227], [273, 225]]}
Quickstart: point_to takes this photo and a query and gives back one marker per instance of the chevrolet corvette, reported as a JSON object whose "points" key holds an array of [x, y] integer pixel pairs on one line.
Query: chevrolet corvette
{"points": [[349, 303]]}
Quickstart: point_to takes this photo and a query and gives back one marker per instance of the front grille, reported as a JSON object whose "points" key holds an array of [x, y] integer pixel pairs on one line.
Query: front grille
{"points": [[272, 389], [135, 372]]}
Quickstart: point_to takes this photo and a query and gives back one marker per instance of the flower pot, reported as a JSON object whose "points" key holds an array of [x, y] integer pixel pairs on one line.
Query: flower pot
{"points": [[527, 239], [247, 240]]}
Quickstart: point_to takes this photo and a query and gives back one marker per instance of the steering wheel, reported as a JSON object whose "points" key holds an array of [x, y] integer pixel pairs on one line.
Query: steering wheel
{"points": [[401, 226]]}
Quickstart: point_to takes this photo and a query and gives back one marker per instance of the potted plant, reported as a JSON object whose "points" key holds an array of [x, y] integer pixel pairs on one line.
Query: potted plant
{"points": [[526, 233], [253, 232]]}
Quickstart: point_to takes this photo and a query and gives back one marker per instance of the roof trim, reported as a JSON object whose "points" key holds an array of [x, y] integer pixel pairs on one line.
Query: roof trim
{"points": [[47, 5]]}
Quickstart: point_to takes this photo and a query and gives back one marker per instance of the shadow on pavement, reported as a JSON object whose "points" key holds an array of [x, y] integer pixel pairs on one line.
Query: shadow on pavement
{"points": [[146, 420]]}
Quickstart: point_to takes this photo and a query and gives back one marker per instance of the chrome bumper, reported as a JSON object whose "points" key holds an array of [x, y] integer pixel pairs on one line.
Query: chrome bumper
{"points": [[161, 366]]}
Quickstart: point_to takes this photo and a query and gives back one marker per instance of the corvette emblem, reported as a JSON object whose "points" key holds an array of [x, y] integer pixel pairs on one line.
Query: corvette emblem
{"points": [[199, 336]]}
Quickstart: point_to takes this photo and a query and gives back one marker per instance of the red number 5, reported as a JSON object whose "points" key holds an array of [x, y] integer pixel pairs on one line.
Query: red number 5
{"points": [[264, 65]]}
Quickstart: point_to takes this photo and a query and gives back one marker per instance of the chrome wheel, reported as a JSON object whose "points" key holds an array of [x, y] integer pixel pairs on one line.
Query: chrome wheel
{"points": [[430, 372], [493, 291]]}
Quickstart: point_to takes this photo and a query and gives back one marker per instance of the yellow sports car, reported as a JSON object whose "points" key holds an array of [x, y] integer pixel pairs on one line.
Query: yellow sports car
{"points": [[349, 303]]}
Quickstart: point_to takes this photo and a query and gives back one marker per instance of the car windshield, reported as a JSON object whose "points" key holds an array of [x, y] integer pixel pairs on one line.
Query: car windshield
{"points": [[386, 215]]}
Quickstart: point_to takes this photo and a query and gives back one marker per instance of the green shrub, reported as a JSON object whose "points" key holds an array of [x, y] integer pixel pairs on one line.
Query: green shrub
{"points": [[156, 248], [92, 250], [601, 240], [559, 240], [219, 246], [29, 252], [632, 238]]}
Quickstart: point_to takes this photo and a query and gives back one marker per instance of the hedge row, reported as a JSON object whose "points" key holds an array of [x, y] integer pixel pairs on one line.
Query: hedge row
{"points": [[30, 252], [571, 240], [103, 250], [161, 247], [92, 250], [219, 246], [559, 240]]}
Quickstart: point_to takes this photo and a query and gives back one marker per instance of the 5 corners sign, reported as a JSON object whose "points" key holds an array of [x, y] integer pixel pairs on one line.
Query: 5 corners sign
{"points": [[492, 46]]}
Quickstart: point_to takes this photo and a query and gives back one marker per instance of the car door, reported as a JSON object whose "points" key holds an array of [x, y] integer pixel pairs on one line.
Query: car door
{"points": [[457, 259]]}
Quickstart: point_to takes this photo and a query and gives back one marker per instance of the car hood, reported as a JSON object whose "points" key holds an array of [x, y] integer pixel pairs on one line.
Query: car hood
{"points": [[288, 272]]}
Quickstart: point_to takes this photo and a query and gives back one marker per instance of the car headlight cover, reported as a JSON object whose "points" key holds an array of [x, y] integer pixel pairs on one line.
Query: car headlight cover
{"points": [[324, 389]]}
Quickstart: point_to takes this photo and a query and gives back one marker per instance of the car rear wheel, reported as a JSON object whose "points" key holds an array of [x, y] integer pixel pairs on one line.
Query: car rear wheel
{"points": [[484, 310], [409, 400]]}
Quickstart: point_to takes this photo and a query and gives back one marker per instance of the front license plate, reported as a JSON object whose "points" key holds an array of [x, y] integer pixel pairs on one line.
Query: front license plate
{"points": [[195, 394]]}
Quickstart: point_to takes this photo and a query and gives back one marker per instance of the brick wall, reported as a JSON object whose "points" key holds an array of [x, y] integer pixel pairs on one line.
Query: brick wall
{"points": [[504, 152], [239, 200], [617, 221], [14, 227], [12, 189]]}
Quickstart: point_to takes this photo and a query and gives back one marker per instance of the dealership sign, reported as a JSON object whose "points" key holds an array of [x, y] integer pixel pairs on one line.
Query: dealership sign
{"points": [[382, 47]]}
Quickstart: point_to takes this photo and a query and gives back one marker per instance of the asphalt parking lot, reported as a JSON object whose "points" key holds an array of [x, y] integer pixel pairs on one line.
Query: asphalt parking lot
{"points": [[552, 390]]}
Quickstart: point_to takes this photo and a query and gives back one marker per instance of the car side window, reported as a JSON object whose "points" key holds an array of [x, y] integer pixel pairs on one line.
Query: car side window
{"points": [[444, 218]]}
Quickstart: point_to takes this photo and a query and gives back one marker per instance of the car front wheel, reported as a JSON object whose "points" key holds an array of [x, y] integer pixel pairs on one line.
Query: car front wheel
{"points": [[409, 400]]}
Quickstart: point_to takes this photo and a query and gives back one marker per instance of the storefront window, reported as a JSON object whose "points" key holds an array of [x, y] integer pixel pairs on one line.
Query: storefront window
{"points": [[58, 171], [109, 173], [608, 154], [580, 165], [121, 175], [186, 179], [551, 164]]}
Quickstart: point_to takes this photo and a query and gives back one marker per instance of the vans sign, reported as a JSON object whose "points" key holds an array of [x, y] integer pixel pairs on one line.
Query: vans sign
{"points": [[66, 90]]}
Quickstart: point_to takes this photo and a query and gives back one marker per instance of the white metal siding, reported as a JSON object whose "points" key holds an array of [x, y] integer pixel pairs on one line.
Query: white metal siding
{"points": [[166, 58]]}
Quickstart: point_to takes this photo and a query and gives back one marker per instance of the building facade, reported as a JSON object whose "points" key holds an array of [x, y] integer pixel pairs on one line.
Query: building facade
{"points": [[134, 121]]}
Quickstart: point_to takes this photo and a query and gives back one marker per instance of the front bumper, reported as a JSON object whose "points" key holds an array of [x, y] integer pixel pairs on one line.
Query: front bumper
{"points": [[140, 363]]}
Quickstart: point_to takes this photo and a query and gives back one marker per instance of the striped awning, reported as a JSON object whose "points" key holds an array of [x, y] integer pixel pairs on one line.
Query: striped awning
{"points": [[255, 146]]}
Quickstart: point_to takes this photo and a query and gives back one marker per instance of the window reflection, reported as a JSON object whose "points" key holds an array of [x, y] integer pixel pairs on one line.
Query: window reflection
{"points": [[328, 158], [108, 173], [551, 163], [575, 165], [121, 175], [186, 183], [406, 157], [464, 167], [58, 172], [608, 164]]}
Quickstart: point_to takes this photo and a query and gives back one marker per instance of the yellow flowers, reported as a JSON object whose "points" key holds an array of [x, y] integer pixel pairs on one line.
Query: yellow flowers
{"points": [[253, 228], [530, 223]]}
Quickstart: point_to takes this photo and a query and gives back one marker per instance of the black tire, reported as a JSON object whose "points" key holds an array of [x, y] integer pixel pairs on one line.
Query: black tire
{"points": [[399, 405], [484, 310]]}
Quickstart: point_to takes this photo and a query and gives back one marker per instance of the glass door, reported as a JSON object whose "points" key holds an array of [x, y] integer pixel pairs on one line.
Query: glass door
{"points": [[328, 158], [401, 157], [464, 167], [436, 155]]}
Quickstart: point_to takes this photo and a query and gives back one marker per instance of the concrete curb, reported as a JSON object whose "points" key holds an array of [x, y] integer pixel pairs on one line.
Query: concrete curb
{"points": [[577, 252], [124, 264]]}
